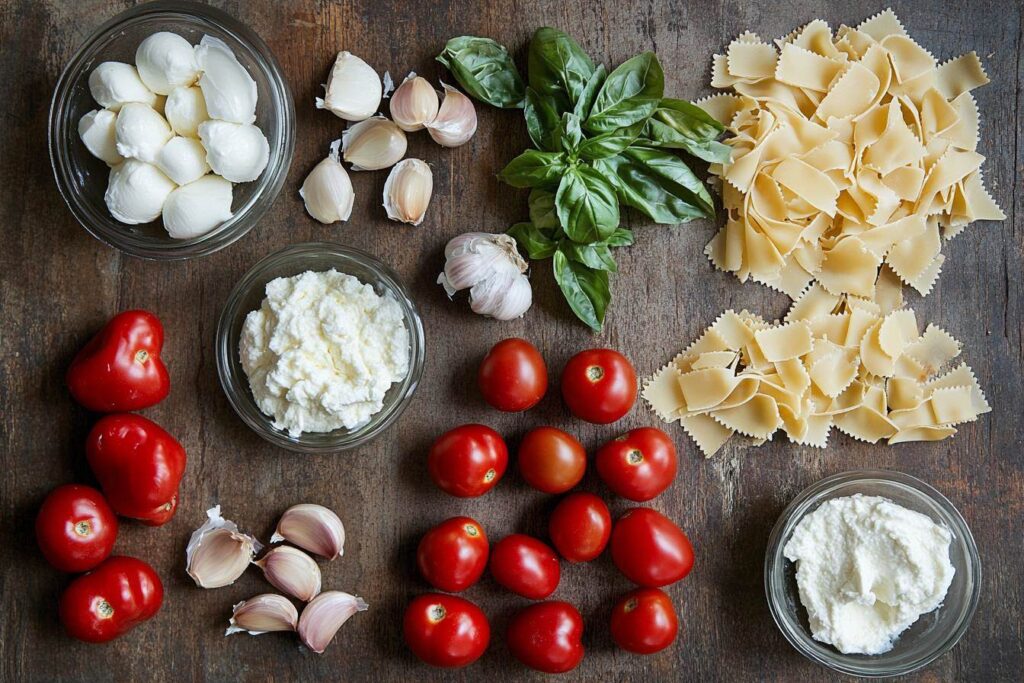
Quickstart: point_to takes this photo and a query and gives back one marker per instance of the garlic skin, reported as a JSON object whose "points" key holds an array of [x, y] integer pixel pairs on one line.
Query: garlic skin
{"points": [[373, 144], [314, 528], [197, 208], [414, 104], [114, 83], [183, 160], [185, 109], [292, 571], [166, 61], [229, 90], [324, 615], [136, 192], [455, 122], [263, 613], [353, 89], [407, 191], [328, 195], [218, 553], [489, 265], [140, 132], [98, 132], [235, 151]]}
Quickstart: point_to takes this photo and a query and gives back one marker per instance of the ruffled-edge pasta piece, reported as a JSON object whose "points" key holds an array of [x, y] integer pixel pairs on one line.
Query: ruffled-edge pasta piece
{"points": [[664, 394], [934, 349], [706, 433], [960, 75], [961, 376], [882, 25], [757, 418], [784, 342]]}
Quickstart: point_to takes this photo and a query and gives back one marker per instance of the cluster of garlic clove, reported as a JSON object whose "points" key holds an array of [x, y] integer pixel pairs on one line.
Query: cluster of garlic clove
{"points": [[490, 267]]}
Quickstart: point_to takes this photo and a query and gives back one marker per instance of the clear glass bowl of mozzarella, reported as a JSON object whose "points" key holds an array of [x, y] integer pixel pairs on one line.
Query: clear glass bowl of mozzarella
{"points": [[171, 131]]}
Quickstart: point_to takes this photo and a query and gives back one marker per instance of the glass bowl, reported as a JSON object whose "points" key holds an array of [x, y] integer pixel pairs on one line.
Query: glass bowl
{"points": [[933, 634], [247, 296], [82, 178]]}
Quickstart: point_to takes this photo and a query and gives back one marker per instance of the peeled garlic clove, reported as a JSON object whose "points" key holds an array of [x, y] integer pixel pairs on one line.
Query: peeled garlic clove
{"points": [[98, 132], [166, 61], [262, 614], [183, 160], [229, 90], [414, 104], [456, 120], [373, 144], [136, 192], [292, 571], [218, 553], [407, 191], [313, 528], [185, 109], [140, 132], [491, 268], [353, 89], [328, 612], [328, 196], [114, 83], [238, 152], [197, 208]]}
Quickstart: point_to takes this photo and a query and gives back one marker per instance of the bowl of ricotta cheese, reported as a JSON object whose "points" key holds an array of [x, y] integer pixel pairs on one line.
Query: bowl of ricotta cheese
{"points": [[872, 573], [319, 347]]}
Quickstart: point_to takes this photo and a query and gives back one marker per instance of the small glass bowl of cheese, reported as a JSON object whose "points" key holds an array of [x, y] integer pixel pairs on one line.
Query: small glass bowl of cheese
{"points": [[934, 633]]}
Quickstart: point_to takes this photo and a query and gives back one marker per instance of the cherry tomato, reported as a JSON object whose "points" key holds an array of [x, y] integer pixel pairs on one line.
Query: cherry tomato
{"points": [[644, 621], [599, 385], [551, 460], [525, 566], [468, 460], [75, 528], [639, 464], [453, 555], [580, 527], [513, 376], [649, 549], [110, 600], [445, 630], [547, 636]]}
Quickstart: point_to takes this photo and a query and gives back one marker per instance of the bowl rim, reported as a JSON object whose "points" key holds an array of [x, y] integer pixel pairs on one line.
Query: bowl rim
{"points": [[59, 132], [227, 357], [812, 496]]}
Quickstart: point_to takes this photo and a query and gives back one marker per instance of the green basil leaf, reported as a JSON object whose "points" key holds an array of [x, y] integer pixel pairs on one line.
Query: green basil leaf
{"points": [[622, 237], [542, 121], [657, 183], [558, 67], [689, 119], [589, 92], [542, 209], [485, 70], [533, 240], [659, 134], [611, 143], [585, 289], [535, 169], [597, 256], [588, 209], [630, 94], [571, 133]]}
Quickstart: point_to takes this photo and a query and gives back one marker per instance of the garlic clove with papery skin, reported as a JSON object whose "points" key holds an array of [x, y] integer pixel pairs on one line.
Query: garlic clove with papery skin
{"points": [[414, 103], [407, 191], [373, 144], [327, 192], [455, 122], [292, 571], [312, 527], [218, 553], [324, 615], [353, 89], [263, 614], [490, 267]]}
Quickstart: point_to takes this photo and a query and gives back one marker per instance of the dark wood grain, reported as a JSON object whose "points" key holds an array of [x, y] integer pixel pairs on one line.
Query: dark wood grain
{"points": [[59, 285]]}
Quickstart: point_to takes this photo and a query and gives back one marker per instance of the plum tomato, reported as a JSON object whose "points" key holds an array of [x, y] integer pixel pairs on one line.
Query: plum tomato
{"points": [[468, 461], [638, 465], [445, 630], [644, 621], [525, 566], [111, 600], [75, 528], [649, 549], [513, 376], [547, 636], [599, 385], [551, 460], [580, 527], [453, 555]]}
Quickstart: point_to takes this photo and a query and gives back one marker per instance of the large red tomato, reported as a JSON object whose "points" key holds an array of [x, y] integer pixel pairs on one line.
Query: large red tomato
{"points": [[644, 621], [551, 460], [525, 566], [580, 527], [599, 385], [468, 460], [75, 528], [547, 637], [111, 600], [649, 549], [513, 376], [639, 464], [445, 630], [453, 555]]}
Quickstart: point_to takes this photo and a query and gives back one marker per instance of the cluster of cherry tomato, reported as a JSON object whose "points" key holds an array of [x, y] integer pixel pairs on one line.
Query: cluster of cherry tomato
{"points": [[648, 548], [139, 467]]}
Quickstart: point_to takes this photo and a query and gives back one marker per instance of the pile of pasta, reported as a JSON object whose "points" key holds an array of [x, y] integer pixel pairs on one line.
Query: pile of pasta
{"points": [[835, 361], [850, 152]]}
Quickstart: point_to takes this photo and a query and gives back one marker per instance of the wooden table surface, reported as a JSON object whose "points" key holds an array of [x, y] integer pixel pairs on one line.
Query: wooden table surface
{"points": [[60, 285]]}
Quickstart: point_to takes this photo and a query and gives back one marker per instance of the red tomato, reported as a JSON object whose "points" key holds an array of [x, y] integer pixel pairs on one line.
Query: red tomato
{"points": [[644, 621], [547, 636], [580, 527], [513, 376], [551, 460], [599, 385], [525, 566], [639, 464], [649, 549], [453, 555], [110, 600], [468, 460], [445, 630], [75, 528]]}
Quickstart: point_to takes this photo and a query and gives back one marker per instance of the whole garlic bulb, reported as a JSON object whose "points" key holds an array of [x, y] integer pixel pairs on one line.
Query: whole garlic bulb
{"points": [[407, 191], [414, 104], [489, 265], [353, 89], [455, 122], [327, 191]]}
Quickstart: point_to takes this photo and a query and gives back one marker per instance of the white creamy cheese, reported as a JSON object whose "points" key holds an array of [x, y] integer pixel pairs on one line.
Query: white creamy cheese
{"points": [[867, 569], [322, 350]]}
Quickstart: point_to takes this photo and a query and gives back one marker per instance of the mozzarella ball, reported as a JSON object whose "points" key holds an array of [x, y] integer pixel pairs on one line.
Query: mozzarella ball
{"points": [[97, 130], [136, 192], [141, 132], [185, 110], [183, 160], [114, 83], [236, 151], [229, 90], [197, 208], [166, 61]]}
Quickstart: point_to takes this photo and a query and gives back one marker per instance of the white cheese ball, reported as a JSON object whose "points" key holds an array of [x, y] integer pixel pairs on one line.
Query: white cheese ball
{"points": [[114, 83], [197, 208], [183, 160], [229, 90], [185, 110], [166, 61], [136, 192], [236, 151], [141, 132], [97, 130]]}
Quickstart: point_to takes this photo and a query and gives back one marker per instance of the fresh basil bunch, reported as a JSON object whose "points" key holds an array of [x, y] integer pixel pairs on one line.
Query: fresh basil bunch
{"points": [[601, 140]]}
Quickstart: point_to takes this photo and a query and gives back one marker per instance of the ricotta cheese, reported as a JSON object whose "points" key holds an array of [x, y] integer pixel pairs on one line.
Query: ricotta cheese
{"points": [[322, 351], [867, 569]]}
